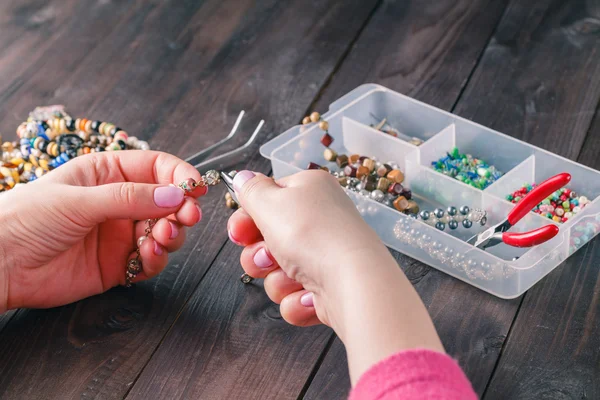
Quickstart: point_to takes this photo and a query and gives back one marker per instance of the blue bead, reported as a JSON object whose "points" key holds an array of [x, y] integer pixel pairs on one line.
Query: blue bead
{"points": [[25, 142], [43, 135]]}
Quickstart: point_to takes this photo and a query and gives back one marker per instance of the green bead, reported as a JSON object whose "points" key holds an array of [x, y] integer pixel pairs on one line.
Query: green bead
{"points": [[566, 205], [455, 153], [518, 198], [509, 197], [546, 201], [484, 172]]}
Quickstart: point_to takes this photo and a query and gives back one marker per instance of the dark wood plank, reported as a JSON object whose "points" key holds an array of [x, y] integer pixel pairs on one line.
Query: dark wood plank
{"points": [[168, 71], [553, 349], [537, 79]]}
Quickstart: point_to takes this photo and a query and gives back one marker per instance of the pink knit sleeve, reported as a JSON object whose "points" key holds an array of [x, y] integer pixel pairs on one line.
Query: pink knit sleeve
{"points": [[414, 374]]}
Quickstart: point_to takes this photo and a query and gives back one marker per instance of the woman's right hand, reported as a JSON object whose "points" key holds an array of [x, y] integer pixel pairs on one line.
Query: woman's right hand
{"points": [[323, 263], [300, 234]]}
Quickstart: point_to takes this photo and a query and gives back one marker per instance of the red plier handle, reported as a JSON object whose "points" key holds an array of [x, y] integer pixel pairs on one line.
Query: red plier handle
{"points": [[536, 196], [531, 238]]}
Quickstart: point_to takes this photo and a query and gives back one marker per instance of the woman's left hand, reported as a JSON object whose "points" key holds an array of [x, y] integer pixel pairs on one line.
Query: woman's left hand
{"points": [[69, 234]]}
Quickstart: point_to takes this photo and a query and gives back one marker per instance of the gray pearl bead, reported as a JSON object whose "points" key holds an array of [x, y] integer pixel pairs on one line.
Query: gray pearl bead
{"points": [[360, 186], [467, 223], [441, 226], [452, 211], [424, 215], [438, 212], [388, 202], [413, 216], [464, 210], [452, 224], [377, 195]]}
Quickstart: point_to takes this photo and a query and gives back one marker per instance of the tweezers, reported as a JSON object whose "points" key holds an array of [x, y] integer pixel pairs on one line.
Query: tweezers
{"points": [[230, 158]]}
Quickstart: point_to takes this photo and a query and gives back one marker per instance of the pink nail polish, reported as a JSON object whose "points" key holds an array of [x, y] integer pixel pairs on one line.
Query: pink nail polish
{"points": [[174, 230], [307, 300], [158, 250], [241, 178], [262, 259], [233, 239], [168, 196], [199, 213]]}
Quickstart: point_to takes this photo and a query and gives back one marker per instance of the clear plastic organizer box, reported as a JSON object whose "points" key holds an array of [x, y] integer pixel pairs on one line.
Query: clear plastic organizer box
{"points": [[494, 270]]}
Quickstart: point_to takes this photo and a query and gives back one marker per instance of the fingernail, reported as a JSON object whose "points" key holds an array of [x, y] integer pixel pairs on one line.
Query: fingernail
{"points": [[241, 178], [199, 213], [233, 239], [158, 250], [307, 300], [168, 196], [174, 230], [261, 259]]}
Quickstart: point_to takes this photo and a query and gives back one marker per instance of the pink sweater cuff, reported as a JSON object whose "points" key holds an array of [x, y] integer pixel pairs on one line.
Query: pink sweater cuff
{"points": [[414, 374]]}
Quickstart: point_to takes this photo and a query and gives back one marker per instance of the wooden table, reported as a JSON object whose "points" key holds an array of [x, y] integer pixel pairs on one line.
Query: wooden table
{"points": [[178, 72]]}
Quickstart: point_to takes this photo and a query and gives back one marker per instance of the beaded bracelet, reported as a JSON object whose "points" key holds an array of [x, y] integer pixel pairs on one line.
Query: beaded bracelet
{"points": [[50, 137], [134, 265]]}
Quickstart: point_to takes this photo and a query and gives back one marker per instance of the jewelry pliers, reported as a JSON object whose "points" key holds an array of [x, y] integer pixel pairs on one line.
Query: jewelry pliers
{"points": [[498, 233]]}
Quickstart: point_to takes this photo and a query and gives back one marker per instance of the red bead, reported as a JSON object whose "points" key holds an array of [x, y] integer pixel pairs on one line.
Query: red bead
{"points": [[565, 219], [395, 188], [313, 165], [326, 140], [350, 171], [563, 197], [572, 205]]}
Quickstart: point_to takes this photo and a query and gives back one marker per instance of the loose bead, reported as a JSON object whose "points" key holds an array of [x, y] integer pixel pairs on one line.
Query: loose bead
{"points": [[330, 155], [383, 170], [413, 207], [383, 184], [396, 175], [362, 171], [401, 203], [377, 195], [342, 160], [354, 158], [350, 170], [315, 116], [370, 164], [395, 188]]}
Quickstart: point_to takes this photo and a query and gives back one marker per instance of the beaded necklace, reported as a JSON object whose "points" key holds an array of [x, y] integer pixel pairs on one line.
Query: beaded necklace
{"points": [[50, 137]]}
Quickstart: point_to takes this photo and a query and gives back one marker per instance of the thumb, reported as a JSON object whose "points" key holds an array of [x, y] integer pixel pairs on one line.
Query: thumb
{"points": [[252, 190], [128, 200]]}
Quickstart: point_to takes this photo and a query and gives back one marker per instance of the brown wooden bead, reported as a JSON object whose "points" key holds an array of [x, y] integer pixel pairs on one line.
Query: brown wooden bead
{"points": [[330, 155], [369, 186], [401, 203], [342, 160], [315, 117], [383, 184], [383, 170], [325, 169], [306, 120], [396, 175], [354, 158], [413, 207], [343, 181], [362, 171], [326, 140], [367, 162]]}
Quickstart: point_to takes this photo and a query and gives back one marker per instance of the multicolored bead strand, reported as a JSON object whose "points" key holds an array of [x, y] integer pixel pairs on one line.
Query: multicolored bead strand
{"points": [[50, 137], [467, 169], [559, 207]]}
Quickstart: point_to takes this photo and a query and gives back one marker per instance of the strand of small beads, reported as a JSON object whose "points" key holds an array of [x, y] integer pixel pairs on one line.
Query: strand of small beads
{"points": [[134, 265], [50, 137], [467, 169], [559, 206]]}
